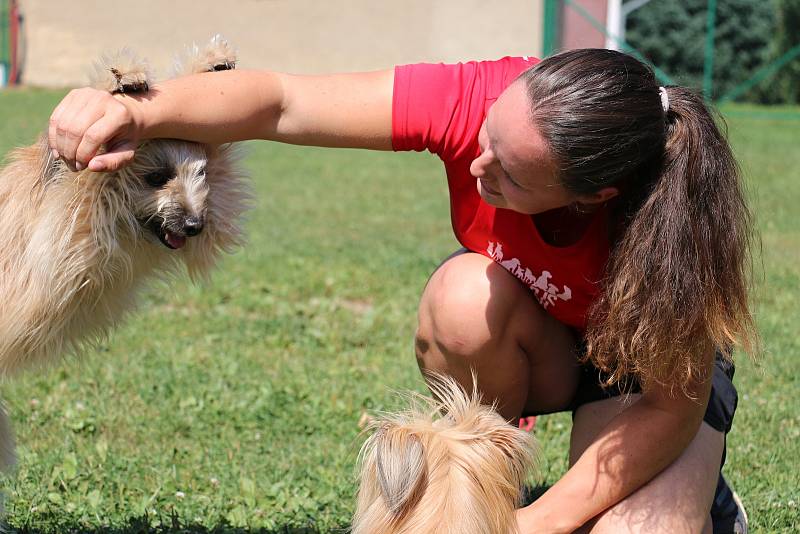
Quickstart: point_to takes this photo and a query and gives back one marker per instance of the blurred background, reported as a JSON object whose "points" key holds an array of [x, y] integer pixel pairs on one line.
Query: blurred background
{"points": [[745, 50]]}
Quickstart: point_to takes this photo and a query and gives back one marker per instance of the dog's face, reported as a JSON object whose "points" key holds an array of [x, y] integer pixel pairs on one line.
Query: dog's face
{"points": [[169, 191], [183, 200]]}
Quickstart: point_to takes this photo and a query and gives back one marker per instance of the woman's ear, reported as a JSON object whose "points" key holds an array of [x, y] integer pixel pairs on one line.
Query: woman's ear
{"points": [[598, 197]]}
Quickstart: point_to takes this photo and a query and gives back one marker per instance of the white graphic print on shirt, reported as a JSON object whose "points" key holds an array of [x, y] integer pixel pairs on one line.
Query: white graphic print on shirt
{"points": [[546, 293]]}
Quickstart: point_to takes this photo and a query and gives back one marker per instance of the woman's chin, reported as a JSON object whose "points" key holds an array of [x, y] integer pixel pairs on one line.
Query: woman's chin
{"points": [[491, 198]]}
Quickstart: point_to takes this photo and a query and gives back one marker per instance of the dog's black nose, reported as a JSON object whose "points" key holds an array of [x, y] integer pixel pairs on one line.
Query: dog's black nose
{"points": [[193, 226]]}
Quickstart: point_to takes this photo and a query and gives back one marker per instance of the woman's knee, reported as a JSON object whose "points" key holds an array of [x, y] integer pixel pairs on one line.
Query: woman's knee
{"points": [[466, 309]]}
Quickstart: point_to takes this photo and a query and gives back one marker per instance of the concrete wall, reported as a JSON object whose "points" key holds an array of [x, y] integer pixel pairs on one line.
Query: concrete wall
{"points": [[577, 32], [63, 37]]}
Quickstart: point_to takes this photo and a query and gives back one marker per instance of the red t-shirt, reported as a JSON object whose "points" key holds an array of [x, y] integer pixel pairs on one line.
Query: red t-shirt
{"points": [[440, 108]]}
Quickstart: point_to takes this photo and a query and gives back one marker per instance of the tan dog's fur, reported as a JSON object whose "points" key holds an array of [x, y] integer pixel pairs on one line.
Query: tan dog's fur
{"points": [[76, 247], [447, 466]]}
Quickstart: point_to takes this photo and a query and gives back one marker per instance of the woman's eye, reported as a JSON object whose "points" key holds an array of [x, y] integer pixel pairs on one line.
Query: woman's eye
{"points": [[156, 179], [508, 176]]}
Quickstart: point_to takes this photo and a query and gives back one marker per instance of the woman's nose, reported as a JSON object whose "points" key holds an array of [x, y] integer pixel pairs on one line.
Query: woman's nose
{"points": [[478, 166]]}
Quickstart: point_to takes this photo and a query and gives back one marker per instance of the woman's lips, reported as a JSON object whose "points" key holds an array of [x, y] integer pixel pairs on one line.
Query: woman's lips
{"points": [[488, 189]]}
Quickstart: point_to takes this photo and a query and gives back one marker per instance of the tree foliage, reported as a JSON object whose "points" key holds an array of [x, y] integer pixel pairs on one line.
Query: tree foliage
{"points": [[749, 34], [785, 87]]}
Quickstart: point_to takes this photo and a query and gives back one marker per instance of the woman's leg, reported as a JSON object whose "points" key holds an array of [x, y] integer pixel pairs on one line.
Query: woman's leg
{"points": [[474, 315], [677, 500]]}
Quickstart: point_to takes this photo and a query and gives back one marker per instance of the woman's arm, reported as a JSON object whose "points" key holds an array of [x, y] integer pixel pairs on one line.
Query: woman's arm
{"points": [[342, 110], [631, 450]]}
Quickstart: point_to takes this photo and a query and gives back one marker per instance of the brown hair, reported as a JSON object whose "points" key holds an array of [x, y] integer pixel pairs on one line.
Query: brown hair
{"points": [[677, 280]]}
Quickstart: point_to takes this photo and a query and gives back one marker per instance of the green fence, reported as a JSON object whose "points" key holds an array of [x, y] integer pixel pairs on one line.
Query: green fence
{"points": [[553, 12]]}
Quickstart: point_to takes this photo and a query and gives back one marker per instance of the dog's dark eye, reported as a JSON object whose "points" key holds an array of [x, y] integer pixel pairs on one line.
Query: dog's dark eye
{"points": [[157, 178]]}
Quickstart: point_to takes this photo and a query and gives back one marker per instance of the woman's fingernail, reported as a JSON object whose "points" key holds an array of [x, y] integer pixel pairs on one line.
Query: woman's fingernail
{"points": [[79, 166], [54, 153]]}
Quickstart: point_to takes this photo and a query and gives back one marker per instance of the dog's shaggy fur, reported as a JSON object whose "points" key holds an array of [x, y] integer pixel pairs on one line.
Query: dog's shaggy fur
{"points": [[446, 466], [76, 247]]}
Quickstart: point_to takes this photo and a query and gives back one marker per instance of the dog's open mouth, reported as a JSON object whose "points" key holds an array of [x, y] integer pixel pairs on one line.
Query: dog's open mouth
{"points": [[170, 239], [173, 241]]}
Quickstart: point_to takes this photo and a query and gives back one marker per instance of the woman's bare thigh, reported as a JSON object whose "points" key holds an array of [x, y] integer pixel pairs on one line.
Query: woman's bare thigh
{"points": [[677, 500]]}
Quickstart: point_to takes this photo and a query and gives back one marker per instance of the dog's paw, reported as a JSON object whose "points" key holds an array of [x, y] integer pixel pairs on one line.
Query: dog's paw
{"points": [[218, 54], [122, 72]]}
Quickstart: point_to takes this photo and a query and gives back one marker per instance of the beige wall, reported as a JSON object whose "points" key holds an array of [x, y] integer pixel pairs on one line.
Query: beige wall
{"points": [[303, 36], [577, 31]]}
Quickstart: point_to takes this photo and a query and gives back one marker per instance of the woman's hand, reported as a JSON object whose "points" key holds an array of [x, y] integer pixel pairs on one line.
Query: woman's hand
{"points": [[84, 121]]}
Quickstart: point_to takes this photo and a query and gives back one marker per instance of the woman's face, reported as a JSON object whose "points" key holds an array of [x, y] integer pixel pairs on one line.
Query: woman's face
{"points": [[515, 169]]}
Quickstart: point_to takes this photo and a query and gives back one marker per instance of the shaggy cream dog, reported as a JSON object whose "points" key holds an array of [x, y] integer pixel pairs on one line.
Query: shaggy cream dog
{"points": [[76, 247], [446, 466]]}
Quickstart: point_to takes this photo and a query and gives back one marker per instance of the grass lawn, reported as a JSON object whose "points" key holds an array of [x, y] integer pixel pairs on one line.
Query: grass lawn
{"points": [[234, 407]]}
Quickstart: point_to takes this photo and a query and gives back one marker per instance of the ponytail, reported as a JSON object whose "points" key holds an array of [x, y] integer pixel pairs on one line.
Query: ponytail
{"points": [[677, 281], [676, 285]]}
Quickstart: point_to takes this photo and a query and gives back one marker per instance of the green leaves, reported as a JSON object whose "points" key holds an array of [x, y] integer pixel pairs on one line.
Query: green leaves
{"points": [[672, 34]]}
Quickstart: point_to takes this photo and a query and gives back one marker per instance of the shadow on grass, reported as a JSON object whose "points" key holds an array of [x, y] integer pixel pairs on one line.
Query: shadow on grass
{"points": [[172, 525]]}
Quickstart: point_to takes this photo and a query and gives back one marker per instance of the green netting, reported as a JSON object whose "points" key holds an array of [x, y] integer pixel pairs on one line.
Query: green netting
{"points": [[708, 63], [552, 22]]}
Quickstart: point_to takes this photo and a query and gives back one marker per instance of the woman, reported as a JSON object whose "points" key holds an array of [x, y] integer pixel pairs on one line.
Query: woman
{"points": [[605, 250]]}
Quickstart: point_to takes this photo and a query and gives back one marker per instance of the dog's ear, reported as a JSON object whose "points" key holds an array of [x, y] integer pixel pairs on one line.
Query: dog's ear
{"points": [[216, 55], [401, 468], [520, 449], [122, 72]]}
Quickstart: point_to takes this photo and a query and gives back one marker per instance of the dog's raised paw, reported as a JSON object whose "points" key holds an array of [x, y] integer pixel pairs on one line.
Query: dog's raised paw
{"points": [[122, 72], [217, 55]]}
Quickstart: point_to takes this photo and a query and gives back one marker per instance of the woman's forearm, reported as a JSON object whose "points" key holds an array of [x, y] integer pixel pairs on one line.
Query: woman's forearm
{"points": [[213, 107], [338, 110], [631, 450]]}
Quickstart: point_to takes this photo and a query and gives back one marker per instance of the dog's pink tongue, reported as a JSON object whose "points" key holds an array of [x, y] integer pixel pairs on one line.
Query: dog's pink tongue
{"points": [[175, 241]]}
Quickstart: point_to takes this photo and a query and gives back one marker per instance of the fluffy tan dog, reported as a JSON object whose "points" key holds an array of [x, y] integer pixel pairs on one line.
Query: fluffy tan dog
{"points": [[446, 466], [76, 247]]}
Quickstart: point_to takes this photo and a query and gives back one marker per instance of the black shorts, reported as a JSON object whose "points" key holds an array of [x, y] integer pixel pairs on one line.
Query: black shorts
{"points": [[719, 415], [721, 404], [719, 411]]}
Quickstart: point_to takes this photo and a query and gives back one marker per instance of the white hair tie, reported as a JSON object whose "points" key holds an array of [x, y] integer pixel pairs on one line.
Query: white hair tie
{"points": [[664, 99]]}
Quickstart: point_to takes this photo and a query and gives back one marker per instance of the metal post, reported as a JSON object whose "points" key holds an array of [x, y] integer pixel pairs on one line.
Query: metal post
{"points": [[617, 21], [708, 65], [615, 24]]}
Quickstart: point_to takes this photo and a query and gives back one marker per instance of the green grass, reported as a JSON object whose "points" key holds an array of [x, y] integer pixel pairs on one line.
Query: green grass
{"points": [[234, 406]]}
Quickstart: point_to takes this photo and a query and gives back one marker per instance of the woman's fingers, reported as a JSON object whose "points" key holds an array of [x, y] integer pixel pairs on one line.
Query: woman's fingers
{"points": [[55, 120], [70, 132], [110, 129], [61, 121], [116, 157], [86, 120]]}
